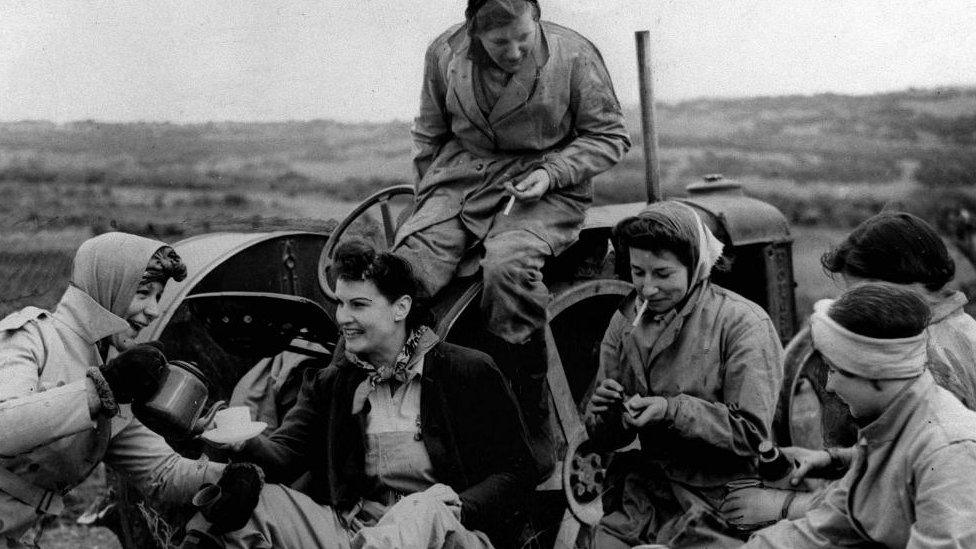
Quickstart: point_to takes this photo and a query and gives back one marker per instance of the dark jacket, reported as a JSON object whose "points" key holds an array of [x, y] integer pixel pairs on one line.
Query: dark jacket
{"points": [[469, 423]]}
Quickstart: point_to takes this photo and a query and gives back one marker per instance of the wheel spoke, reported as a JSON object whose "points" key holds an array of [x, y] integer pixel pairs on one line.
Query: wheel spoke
{"points": [[389, 230], [562, 395]]}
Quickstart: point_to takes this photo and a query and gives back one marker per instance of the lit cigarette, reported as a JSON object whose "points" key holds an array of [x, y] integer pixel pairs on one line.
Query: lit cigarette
{"points": [[508, 207], [640, 312]]}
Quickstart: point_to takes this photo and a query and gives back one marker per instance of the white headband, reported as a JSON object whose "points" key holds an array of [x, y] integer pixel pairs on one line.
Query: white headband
{"points": [[864, 356]]}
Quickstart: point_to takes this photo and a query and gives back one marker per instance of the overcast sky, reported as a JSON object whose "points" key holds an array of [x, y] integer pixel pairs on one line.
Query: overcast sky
{"points": [[356, 60]]}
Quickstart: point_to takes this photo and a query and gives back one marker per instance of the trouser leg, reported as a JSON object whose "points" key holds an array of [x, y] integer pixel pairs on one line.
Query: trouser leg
{"points": [[514, 302], [283, 519], [515, 299], [434, 253]]}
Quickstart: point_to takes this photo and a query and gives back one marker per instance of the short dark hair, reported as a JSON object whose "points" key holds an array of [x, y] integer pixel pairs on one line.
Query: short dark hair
{"points": [[646, 233], [392, 275], [881, 311], [164, 265], [894, 247], [485, 15]]}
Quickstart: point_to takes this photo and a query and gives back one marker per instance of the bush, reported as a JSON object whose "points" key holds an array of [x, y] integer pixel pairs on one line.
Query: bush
{"points": [[947, 169]]}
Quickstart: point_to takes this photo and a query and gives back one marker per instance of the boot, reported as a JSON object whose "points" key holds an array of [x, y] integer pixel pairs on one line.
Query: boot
{"points": [[532, 393]]}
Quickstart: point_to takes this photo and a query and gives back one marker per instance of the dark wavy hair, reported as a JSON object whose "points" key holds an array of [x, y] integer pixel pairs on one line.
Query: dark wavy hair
{"points": [[895, 247], [485, 15], [164, 265], [392, 275], [881, 310]]}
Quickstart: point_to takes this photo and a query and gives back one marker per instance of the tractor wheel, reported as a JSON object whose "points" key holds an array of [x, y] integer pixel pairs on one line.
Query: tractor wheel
{"points": [[579, 316], [814, 417], [391, 206]]}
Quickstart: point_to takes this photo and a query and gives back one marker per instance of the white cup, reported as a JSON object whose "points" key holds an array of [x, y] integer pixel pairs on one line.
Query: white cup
{"points": [[232, 417]]}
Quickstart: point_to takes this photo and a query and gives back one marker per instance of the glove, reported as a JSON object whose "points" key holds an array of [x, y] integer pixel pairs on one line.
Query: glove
{"points": [[240, 486], [136, 374]]}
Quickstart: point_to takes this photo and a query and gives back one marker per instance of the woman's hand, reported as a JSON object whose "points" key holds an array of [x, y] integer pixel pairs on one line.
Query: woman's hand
{"points": [[531, 187], [446, 495], [751, 507], [806, 460], [608, 394], [642, 411]]}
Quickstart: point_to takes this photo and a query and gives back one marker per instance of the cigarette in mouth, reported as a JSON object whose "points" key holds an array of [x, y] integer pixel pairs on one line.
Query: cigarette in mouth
{"points": [[508, 207], [640, 312]]}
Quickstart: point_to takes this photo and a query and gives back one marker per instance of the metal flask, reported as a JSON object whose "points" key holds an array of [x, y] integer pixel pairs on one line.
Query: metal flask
{"points": [[177, 409]]}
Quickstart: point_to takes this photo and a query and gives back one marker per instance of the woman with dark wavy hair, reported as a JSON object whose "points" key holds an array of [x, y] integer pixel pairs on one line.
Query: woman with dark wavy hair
{"points": [[517, 115], [408, 441]]}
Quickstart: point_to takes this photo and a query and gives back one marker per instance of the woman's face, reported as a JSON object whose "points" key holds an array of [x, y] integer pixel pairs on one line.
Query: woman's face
{"points": [[142, 310], [859, 394], [511, 46], [661, 278], [371, 325]]}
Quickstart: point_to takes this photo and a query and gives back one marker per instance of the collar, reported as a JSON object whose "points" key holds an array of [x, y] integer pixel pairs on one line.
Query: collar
{"points": [[892, 421], [84, 316], [945, 303]]}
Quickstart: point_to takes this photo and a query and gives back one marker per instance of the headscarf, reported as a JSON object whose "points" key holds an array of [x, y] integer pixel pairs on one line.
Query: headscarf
{"points": [[110, 266], [863, 356], [685, 221]]}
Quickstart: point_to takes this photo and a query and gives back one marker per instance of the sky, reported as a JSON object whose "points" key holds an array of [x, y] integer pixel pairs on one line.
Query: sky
{"points": [[361, 60]]}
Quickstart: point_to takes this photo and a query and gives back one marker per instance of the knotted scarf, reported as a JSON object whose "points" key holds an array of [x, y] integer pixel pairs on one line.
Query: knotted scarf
{"points": [[863, 356], [399, 370]]}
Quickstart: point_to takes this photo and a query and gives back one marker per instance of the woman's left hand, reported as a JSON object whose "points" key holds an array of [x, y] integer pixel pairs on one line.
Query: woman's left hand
{"points": [[531, 188], [446, 495], [642, 411]]}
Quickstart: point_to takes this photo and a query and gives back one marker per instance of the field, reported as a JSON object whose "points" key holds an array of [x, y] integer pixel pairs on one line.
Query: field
{"points": [[826, 161]]}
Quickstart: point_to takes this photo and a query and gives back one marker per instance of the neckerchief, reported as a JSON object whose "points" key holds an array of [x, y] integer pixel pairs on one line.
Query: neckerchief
{"points": [[399, 370]]}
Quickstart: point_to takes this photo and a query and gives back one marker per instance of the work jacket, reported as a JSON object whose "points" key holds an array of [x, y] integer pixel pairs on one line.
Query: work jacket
{"points": [[49, 440], [469, 423], [952, 345], [558, 113], [718, 364], [911, 483]]}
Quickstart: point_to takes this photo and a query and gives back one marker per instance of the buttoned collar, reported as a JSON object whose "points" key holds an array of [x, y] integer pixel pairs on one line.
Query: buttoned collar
{"points": [[84, 316], [944, 304], [892, 421]]}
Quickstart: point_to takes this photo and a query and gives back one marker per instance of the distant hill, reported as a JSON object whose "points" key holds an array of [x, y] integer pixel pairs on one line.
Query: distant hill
{"points": [[821, 138]]}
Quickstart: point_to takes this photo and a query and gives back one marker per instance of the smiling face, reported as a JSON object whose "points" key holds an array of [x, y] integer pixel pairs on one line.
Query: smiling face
{"points": [[510, 46], [865, 401], [373, 327], [660, 278], [142, 310]]}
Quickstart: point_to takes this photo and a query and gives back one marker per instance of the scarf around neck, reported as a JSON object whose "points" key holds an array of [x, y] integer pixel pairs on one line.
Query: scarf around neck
{"points": [[417, 343]]}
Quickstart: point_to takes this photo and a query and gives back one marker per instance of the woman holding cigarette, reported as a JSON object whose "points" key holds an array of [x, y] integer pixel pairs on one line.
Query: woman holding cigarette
{"points": [[517, 115], [690, 369]]}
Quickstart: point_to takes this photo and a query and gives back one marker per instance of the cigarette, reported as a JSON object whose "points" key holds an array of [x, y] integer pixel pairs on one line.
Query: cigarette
{"points": [[508, 207], [640, 312]]}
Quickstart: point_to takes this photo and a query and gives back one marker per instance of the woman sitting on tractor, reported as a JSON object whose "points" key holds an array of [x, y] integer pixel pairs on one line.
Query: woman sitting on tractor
{"points": [[409, 441], [689, 369]]}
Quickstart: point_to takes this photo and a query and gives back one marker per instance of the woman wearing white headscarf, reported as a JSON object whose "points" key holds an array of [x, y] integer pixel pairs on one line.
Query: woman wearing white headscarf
{"points": [[690, 369], [911, 483], [64, 406]]}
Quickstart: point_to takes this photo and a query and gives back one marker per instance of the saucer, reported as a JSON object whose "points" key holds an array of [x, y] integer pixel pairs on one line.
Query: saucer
{"points": [[235, 433]]}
